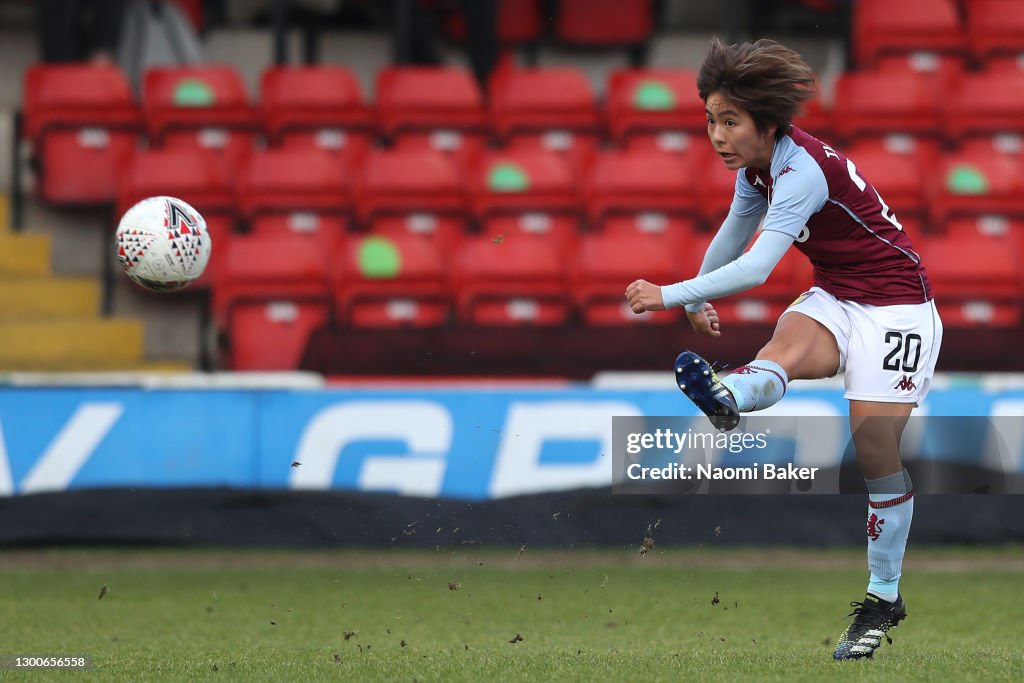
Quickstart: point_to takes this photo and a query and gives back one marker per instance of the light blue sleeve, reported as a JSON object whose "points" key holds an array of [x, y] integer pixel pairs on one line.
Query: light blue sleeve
{"points": [[796, 197], [746, 272], [728, 244]]}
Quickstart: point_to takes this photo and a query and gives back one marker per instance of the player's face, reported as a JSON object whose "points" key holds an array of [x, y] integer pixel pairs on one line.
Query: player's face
{"points": [[735, 136]]}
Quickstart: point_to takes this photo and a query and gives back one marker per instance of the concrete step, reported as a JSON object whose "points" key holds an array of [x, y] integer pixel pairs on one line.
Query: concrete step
{"points": [[25, 253], [45, 298], [81, 344]]}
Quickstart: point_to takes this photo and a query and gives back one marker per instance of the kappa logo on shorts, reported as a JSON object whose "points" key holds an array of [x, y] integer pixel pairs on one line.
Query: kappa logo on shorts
{"points": [[875, 526], [905, 384]]}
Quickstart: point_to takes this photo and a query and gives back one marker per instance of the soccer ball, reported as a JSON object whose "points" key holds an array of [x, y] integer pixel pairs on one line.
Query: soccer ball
{"points": [[162, 244]]}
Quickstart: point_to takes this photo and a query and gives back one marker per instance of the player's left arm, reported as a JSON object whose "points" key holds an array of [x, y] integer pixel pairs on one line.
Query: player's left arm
{"points": [[746, 272], [796, 197]]}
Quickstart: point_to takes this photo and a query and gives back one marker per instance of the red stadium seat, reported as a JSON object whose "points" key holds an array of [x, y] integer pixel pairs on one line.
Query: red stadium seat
{"points": [[994, 27], [604, 22], [606, 263], [561, 232], [986, 226], [817, 120], [295, 191], [883, 26], [628, 182], [895, 166], [552, 108], [438, 108], [1005, 63], [446, 232], [976, 271], [269, 295], [399, 182], [670, 141], [83, 124], [974, 182], [463, 148], [939, 68], [269, 267], [392, 282], [1001, 144], [521, 180], [316, 106], [653, 102], [874, 103], [200, 107], [515, 282], [428, 98], [673, 230], [188, 175], [985, 104], [271, 335]]}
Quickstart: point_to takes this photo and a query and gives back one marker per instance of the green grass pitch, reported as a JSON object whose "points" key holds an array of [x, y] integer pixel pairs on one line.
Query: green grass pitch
{"points": [[707, 614]]}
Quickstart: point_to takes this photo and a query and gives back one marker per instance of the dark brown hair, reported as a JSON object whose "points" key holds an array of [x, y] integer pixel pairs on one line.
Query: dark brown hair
{"points": [[766, 78]]}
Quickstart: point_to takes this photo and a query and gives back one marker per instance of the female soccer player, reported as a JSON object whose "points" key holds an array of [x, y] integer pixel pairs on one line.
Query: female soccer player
{"points": [[870, 311]]}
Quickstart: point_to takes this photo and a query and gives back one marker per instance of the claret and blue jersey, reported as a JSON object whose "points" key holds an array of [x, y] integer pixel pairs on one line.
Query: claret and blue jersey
{"points": [[838, 219]]}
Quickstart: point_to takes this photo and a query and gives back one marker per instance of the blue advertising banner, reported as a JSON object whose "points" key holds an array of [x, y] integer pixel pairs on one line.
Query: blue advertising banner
{"points": [[469, 443]]}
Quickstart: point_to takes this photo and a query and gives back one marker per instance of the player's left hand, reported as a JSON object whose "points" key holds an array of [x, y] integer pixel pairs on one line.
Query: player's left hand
{"points": [[643, 296], [705, 321]]}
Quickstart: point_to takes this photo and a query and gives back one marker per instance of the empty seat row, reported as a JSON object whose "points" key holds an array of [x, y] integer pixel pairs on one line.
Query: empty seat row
{"points": [[280, 288], [83, 122], [917, 181], [416, 192], [90, 111], [398, 181], [953, 106], [302, 192], [283, 286], [979, 29]]}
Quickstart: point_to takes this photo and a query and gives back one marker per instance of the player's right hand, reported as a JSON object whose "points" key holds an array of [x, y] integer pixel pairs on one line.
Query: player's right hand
{"points": [[705, 322]]}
